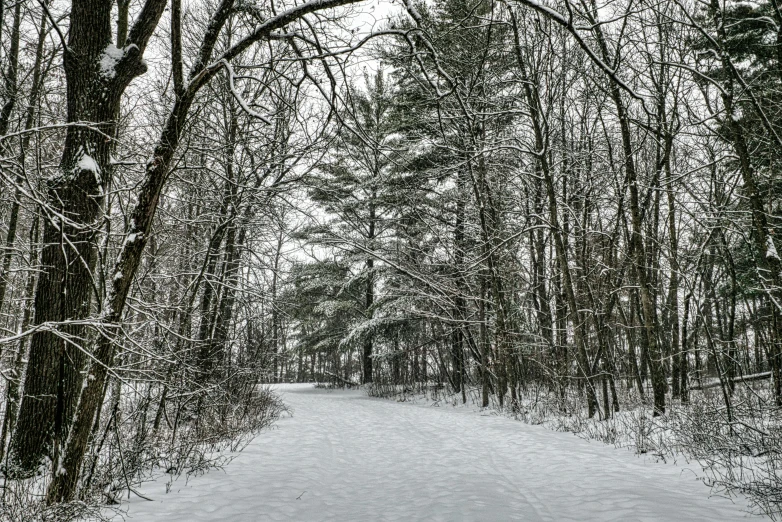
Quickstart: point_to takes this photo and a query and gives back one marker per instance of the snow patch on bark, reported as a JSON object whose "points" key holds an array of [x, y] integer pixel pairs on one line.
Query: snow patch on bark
{"points": [[86, 162], [771, 250], [109, 59], [133, 237]]}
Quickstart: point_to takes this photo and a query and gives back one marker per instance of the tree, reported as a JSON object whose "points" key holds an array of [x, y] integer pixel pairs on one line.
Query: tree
{"points": [[355, 187]]}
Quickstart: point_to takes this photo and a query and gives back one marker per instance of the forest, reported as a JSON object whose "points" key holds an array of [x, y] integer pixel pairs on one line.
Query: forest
{"points": [[560, 210]]}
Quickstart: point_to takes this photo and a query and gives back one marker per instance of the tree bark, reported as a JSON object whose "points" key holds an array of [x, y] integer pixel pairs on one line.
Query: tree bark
{"points": [[97, 74]]}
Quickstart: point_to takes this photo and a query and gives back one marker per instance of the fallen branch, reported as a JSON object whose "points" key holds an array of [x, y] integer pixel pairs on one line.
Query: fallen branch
{"points": [[343, 380], [739, 379]]}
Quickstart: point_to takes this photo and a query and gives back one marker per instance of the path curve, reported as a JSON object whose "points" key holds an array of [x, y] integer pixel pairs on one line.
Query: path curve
{"points": [[344, 456]]}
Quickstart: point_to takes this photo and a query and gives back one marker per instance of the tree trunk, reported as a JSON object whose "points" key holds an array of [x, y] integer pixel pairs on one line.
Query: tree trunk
{"points": [[97, 74], [13, 385], [541, 141]]}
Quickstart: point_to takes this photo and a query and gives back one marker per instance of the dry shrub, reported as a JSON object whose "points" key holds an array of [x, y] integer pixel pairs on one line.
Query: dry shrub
{"points": [[198, 431]]}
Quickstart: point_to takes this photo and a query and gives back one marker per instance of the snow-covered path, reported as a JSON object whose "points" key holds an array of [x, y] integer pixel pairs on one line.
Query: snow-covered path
{"points": [[343, 456]]}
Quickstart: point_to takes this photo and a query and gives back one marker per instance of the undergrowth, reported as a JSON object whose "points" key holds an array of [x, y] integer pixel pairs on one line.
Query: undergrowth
{"points": [[182, 435]]}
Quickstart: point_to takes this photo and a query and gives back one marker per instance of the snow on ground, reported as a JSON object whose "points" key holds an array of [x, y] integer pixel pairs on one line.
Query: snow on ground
{"points": [[344, 456]]}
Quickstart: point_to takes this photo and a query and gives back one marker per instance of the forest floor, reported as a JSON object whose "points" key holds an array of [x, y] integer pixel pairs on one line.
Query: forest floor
{"points": [[344, 456]]}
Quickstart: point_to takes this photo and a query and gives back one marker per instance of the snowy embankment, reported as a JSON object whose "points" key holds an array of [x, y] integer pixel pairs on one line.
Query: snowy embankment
{"points": [[344, 456]]}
